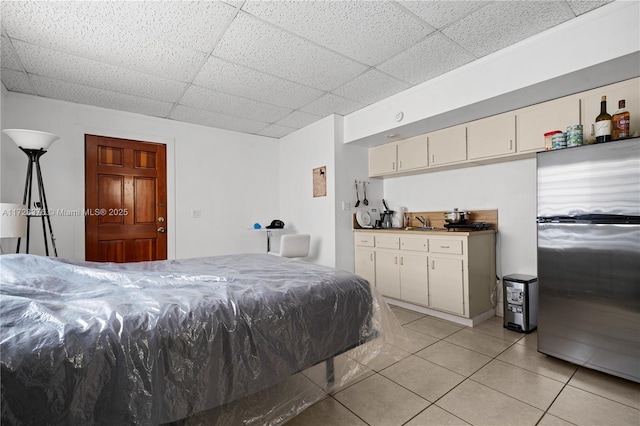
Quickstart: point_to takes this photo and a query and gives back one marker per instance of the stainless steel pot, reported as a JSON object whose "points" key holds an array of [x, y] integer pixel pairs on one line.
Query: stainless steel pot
{"points": [[456, 216]]}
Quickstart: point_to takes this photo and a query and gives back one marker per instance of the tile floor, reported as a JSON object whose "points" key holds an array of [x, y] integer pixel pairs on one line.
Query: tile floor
{"points": [[485, 375]]}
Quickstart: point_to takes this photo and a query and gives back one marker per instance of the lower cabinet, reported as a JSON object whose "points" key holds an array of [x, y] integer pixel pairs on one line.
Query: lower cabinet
{"points": [[446, 284], [414, 279], [365, 264], [388, 273]]}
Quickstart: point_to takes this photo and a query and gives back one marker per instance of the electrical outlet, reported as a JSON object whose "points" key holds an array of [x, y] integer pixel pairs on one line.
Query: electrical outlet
{"points": [[196, 214], [346, 206]]}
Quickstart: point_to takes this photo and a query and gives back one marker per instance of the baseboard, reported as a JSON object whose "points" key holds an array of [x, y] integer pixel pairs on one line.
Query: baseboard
{"points": [[467, 322]]}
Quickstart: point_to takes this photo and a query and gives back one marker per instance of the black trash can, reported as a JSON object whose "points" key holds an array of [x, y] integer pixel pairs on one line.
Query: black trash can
{"points": [[520, 298]]}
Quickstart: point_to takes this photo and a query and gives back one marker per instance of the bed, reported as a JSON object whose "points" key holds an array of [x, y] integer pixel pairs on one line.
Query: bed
{"points": [[157, 342]]}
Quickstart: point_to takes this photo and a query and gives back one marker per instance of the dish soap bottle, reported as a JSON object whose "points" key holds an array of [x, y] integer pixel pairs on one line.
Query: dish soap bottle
{"points": [[620, 122]]}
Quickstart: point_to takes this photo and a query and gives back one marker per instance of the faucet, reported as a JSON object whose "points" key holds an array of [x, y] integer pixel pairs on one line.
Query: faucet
{"points": [[423, 221]]}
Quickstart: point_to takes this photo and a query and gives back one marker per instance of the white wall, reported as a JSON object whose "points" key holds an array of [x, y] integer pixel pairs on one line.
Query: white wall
{"points": [[509, 187], [302, 213], [231, 177]]}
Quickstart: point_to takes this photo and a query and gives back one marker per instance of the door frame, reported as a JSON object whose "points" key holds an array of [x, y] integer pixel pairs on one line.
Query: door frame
{"points": [[169, 142]]}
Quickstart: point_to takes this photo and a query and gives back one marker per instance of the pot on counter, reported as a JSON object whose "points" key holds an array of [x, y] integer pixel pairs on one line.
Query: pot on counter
{"points": [[456, 216]]}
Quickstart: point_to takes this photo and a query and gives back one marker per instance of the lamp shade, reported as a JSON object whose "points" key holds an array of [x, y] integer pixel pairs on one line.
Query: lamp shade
{"points": [[31, 139], [13, 220]]}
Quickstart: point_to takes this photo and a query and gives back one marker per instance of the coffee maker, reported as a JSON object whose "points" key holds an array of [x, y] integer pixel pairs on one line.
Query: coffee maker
{"points": [[386, 217]]}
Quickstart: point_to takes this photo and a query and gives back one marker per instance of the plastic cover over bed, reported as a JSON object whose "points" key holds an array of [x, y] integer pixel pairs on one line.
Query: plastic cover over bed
{"points": [[240, 339]]}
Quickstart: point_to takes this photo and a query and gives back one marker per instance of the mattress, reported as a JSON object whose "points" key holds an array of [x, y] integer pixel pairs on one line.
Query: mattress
{"points": [[153, 342]]}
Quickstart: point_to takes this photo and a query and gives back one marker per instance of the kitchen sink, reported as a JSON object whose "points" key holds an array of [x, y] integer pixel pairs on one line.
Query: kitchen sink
{"points": [[422, 228]]}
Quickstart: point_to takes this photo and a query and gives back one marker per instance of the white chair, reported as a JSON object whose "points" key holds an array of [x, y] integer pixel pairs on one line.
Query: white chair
{"points": [[294, 245]]}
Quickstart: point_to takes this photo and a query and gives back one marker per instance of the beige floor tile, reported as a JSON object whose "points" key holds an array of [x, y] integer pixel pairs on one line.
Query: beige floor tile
{"points": [[347, 371], [549, 420], [326, 412], [620, 390], [532, 360], [434, 327], [496, 328], [436, 416], [453, 357], [480, 405], [530, 340], [518, 383], [425, 378], [405, 316], [377, 355], [487, 345], [583, 408], [379, 401], [419, 340]]}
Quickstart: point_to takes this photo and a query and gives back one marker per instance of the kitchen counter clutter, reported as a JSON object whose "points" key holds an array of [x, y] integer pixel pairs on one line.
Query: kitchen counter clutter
{"points": [[445, 273]]}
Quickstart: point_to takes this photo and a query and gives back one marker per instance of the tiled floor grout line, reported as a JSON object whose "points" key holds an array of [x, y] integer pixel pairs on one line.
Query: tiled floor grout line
{"points": [[555, 398]]}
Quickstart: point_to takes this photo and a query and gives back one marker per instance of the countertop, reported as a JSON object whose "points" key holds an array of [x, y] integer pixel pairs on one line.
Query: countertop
{"points": [[437, 231]]}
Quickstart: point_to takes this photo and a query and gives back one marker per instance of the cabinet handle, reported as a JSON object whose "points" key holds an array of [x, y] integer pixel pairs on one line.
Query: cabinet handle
{"points": [[510, 144], [364, 241], [371, 256], [433, 264], [401, 260], [433, 158], [393, 165], [444, 246], [395, 260], [593, 130], [400, 164]]}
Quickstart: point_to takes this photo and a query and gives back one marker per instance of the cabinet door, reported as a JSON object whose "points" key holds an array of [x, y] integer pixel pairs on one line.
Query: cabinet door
{"points": [[446, 284], [414, 281], [388, 273], [628, 90], [448, 146], [535, 121], [365, 265], [412, 153], [492, 136], [382, 160]]}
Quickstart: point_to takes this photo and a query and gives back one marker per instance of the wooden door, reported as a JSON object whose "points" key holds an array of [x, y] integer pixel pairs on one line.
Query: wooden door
{"points": [[125, 200]]}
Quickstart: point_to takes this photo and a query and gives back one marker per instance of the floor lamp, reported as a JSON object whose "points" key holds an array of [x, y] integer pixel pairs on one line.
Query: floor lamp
{"points": [[13, 221], [35, 144]]}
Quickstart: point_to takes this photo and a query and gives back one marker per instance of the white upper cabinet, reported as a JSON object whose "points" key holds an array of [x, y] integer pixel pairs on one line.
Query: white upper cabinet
{"points": [[493, 136], [448, 146], [382, 160], [534, 121], [412, 153], [628, 90]]}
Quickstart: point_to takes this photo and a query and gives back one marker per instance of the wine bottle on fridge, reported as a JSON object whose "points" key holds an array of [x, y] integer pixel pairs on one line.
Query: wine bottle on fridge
{"points": [[603, 123], [620, 122]]}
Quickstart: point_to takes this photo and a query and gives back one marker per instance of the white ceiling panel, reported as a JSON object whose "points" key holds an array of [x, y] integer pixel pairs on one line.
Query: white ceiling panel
{"points": [[266, 48], [213, 119], [371, 87], [434, 56], [98, 97], [56, 25], [370, 32], [223, 76], [9, 59], [210, 100], [330, 104], [503, 23], [298, 119], [263, 67], [439, 14], [16, 81], [70, 68]]}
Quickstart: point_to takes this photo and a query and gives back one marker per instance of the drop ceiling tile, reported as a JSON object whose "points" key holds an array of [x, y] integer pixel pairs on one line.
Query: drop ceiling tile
{"points": [[210, 100], [212, 119], [434, 56], [74, 69], [370, 32], [57, 89], [189, 24], [276, 131], [9, 59], [501, 24], [442, 13], [299, 119], [16, 81], [220, 75], [262, 47], [330, 104], [371, 87], [54, 25], [583, 6]]}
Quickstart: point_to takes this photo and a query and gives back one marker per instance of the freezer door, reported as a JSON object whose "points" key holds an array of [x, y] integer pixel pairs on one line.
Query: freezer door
{"points": [[590, 179], [589, 295]]}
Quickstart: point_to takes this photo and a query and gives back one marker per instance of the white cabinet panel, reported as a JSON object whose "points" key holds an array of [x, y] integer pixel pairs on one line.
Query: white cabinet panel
{"points": [[535, 121], [492, 136], [388, 273], [448, 146], [414, 284], [382, 160], [412, 153], [446, 284], [365, 264]]}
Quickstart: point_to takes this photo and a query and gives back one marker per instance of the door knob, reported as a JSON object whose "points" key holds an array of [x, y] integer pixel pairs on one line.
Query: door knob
{"points": [[161, 230], [161, 219]]}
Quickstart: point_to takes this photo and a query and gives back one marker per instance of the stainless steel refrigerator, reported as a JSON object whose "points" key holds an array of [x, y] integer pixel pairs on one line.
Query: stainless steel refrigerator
{"points": [[589, 256]]}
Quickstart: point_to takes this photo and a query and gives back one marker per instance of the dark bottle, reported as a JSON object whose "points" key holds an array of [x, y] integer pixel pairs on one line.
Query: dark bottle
{"points": [[603, 123]]}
